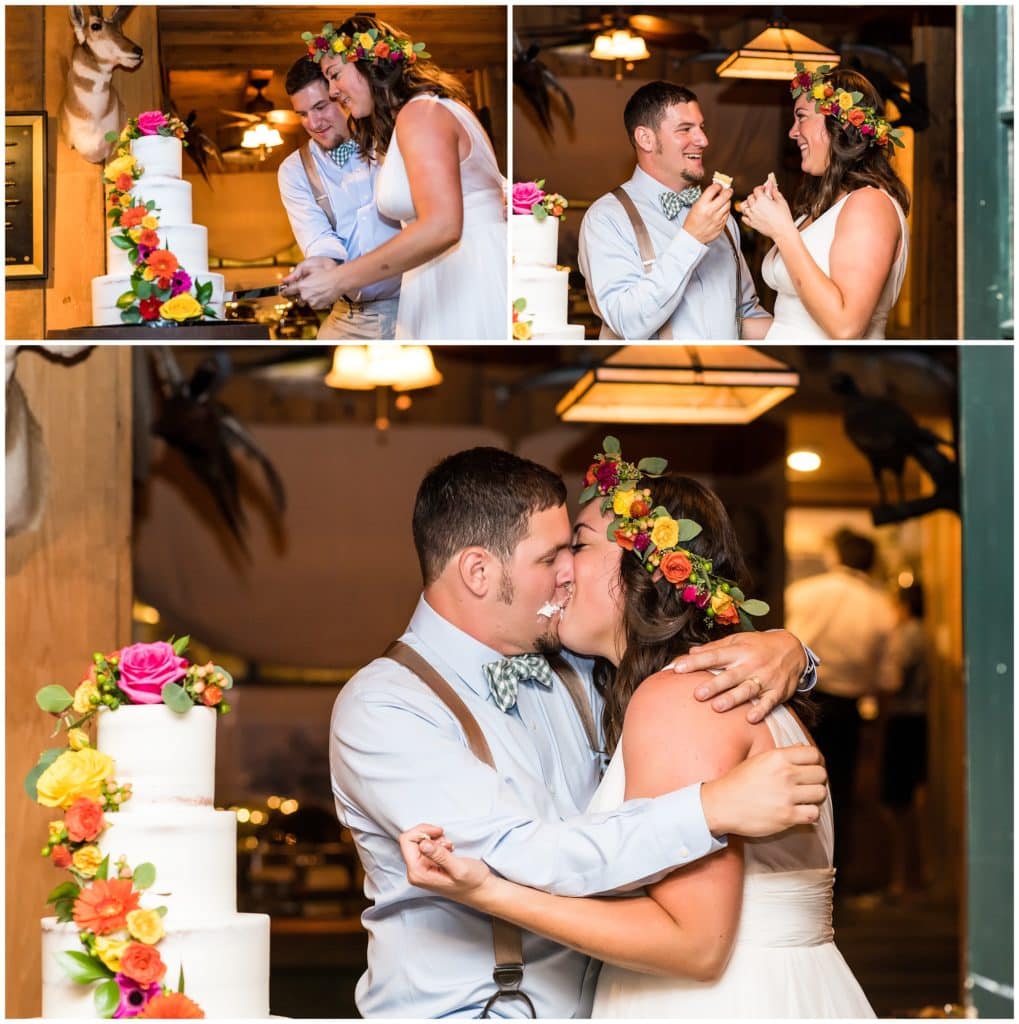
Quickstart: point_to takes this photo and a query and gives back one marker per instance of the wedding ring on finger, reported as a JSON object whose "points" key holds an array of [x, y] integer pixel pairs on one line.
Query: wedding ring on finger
{"points": [[758, 686]]}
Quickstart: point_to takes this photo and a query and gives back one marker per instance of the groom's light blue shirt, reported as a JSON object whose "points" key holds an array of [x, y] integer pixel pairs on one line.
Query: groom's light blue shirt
{"points": [[399, 758], [691, 286]]}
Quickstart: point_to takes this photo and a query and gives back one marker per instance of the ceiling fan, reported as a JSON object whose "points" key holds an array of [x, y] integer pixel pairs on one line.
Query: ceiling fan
{"points": [[259, 109], [578, 36]]}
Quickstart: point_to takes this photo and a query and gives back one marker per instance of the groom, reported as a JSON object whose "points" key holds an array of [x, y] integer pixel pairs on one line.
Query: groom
{"points": [[661, 257], [493, 539]]}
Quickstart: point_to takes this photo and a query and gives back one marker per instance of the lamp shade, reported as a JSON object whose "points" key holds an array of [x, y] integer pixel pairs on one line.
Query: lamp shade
{"points": [[261, 135], [773, 54], [679, 384], [400, 367], [620, 44]]}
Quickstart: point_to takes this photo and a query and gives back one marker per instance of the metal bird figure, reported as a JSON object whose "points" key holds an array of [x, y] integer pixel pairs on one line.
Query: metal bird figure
{"points": [[887, 435], [535, 80], [194, 422]]}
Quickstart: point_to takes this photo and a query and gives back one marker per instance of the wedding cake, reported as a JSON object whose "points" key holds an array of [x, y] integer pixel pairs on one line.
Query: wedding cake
{"points": [[168, 760], [155, 255], [540, 287]]}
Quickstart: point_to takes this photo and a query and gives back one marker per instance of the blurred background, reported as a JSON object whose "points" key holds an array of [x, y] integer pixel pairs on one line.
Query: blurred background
{"points": [[140, 534]]}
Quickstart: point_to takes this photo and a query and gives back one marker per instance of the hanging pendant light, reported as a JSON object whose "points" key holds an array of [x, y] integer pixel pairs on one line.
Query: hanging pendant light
{"points": [[773, 53]]}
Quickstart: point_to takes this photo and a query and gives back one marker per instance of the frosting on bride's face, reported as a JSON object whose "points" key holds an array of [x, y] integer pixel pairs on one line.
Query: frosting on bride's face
{"points": [[809, 133], [348, 87], [593, 622]]}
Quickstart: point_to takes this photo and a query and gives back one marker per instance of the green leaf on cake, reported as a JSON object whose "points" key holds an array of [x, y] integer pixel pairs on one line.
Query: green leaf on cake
{"points": [[161, 911], [123, 242], [688, 529], [228, 680], [66, 890], [46, 758], [539, 211], [144, 875], [103, 871], [181, 645], [125, 299], [180, 980], [652, 466], [64, 909], [176, 698], [54, 699], [520, 305], [204, 292], [131, 316], [610, 445], [82, 969], [143, 289], [755, 607], [107, 999], [111, 136]]}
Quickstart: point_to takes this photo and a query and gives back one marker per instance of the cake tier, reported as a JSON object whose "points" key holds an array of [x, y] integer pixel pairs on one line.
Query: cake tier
{"points": [[194, 851], [188, 242], [158, 155], [564, 332], [534, 242], [225, 961], [171, 196], [166, 757], [105, 292], [546, 290]]}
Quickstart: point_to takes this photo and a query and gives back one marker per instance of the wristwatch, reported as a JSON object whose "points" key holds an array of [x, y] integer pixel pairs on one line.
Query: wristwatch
{"points": [[808, 680]]}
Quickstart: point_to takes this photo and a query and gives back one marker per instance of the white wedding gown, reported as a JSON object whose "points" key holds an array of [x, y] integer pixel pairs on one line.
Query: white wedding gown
{"points": [[784, 962], [462, 293], [792, 321]]}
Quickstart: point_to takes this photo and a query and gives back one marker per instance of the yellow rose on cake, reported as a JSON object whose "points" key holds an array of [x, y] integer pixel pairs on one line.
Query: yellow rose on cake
{"points": [[73, 774], [145, 926], [86, 861], [181, 307]]}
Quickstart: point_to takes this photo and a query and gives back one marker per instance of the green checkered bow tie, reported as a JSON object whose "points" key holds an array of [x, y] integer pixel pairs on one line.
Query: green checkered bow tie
{"points": [[343, 152], [504, 677], [673, 202]]}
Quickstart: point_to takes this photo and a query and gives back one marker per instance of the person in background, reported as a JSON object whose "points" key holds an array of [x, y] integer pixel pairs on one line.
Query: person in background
{"points": [[327, 188]]}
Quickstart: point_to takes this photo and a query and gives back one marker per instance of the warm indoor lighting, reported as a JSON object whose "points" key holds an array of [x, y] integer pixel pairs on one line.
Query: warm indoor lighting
{"points": [[679, 384], [289, 806], [261, 135], [773, 54], [142, 612], [620, 44], [804, 461], [243, 814], [383, 364], [905, 579]]}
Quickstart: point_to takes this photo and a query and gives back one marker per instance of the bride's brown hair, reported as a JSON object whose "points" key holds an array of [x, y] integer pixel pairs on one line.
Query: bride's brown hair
{"points": [[658, 625], [853, 161], [391, 86]]}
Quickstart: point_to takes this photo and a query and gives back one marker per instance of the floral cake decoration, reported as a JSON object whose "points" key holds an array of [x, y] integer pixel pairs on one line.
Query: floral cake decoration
{"points": [[531, 197], [161, 289], [658, 540], [118, 935]]}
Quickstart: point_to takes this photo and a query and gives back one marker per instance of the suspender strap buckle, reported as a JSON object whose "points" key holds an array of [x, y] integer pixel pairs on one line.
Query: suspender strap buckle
{"points": [[508, 976]]}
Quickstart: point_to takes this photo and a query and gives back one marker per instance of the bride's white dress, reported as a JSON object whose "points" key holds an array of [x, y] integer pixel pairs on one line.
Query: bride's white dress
{"points": [[784, 962], [462, 293], [792, 321]]}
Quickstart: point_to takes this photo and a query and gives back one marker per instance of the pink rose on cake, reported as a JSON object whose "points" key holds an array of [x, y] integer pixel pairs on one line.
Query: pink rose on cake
{"points": [[151, 121], [146, 668], [525, 195]]}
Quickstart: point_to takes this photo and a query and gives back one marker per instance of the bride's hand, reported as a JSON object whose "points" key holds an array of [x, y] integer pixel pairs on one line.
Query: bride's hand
{"points": [[318, 281], [766, 210], [432, 865]]}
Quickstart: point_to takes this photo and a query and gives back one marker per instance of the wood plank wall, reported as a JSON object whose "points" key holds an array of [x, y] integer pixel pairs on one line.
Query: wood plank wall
{"points": [[68, 594]]}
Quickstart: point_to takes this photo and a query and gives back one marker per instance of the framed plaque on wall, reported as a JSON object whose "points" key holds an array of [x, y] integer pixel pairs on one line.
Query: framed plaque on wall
{"points": [[25, 194]]}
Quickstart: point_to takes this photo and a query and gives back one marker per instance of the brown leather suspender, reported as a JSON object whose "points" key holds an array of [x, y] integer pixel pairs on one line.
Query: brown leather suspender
{"points": [[315, 180], [506, 938]]}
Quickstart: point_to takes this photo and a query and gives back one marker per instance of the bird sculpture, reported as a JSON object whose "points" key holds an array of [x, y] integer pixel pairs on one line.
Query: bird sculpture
{"points": [[537, 83], [887, 435], [206, 433]]}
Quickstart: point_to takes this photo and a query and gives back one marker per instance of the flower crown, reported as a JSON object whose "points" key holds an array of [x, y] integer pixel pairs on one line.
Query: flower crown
{"points": [[368, 46], [843, 106], [656, 538]]}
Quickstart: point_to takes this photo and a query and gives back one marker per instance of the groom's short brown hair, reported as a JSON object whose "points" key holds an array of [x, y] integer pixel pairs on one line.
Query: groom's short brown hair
{"points": [[647, 106], [483, 497]]}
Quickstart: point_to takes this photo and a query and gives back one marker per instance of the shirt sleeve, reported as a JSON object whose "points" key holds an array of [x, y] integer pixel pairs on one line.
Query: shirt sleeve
{"points": [[313, 232], [399, 760], [634, 305], [749, 304]]}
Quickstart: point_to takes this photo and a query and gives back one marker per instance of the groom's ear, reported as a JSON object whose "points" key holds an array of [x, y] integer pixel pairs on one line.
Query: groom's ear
{"points": [[644, 138], [475, 567]]}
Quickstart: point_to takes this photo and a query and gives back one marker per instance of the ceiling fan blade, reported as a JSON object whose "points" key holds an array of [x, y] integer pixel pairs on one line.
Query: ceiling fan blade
{"points": [[287, 118], [243, 114]]}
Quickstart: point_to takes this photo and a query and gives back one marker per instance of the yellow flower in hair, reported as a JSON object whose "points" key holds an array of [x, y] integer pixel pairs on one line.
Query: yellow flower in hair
{"points": [[882, 129], [818, 92], [622, 501], [365, 40], [665, 533], [845, 100], [338, 44]]}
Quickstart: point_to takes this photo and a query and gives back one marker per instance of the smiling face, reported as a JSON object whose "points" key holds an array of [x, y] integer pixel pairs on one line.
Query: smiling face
{"points": [[811, 135], [674, 152], [348, 87], [593, 622], [320, 116]]}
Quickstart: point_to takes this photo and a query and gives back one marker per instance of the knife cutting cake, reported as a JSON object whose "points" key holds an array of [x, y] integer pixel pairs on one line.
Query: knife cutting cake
{"points": [[157, 259]]}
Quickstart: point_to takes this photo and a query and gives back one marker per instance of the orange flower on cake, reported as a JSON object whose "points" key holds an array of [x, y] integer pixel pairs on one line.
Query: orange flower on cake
{"points": [[171, 1006], [132, 217], [211, 696], [84, 820], [162, 263], [75, 773], [142, 963], [675, 567], [181, 307], [103, 906]]}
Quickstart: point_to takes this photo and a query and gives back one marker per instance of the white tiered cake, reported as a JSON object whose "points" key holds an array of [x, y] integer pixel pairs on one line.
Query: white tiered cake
{"points": [[169, 821], [537, 278], [161, 182]]}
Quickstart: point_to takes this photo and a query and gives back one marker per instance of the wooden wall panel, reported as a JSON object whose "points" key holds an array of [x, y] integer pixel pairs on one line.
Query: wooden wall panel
{"points": [[68, 594]]}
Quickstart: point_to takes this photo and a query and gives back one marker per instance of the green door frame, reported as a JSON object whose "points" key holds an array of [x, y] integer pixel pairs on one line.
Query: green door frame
{"points": [[986, 424]]}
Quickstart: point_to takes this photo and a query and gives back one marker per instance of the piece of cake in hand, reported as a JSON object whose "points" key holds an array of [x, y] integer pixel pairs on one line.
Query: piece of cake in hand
{"points": [[725, 180]]}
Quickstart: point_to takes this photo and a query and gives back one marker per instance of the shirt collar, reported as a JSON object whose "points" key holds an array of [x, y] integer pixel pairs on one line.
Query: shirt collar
{"points": [[457, 649]]}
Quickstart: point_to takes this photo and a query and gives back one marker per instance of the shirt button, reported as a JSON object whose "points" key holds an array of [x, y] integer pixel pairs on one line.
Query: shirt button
{"points": [[684, 853]]}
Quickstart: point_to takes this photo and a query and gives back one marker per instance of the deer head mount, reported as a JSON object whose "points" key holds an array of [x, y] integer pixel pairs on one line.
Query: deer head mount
{"points": [[91, 106]]}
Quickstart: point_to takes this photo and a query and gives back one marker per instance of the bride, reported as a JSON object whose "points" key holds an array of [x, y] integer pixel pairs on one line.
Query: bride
{"points": [[839, 266], [439, 176], [746, 932]]}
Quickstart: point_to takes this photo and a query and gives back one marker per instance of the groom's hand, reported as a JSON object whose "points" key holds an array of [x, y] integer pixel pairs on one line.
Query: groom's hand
{"points": [[763, 667], [767, 793], [707, 217]]}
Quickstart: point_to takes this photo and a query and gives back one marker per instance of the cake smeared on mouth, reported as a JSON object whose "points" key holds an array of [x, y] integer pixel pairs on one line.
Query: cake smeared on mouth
{"points": [[550, 608]]}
